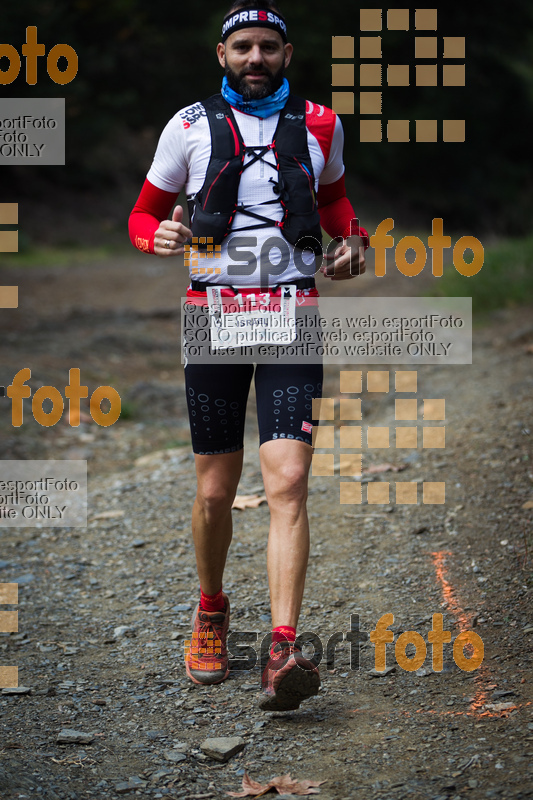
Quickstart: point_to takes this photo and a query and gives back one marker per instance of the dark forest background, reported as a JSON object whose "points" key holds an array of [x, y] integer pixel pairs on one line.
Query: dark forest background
{"points": [[141, 61]]}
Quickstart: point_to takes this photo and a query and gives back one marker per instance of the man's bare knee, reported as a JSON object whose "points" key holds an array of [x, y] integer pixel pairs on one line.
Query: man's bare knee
{"points": [[288, 483], [215, 499], [217, 479]]}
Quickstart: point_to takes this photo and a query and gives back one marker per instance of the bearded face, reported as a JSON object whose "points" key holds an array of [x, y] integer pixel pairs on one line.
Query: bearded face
{"points": [[256, 90]]}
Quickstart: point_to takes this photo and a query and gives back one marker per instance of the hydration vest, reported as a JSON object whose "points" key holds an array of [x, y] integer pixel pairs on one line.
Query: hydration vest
{"points": [[212, 209]]}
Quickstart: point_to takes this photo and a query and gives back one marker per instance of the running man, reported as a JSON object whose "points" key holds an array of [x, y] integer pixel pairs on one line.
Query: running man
{"points": [[251, 159]]}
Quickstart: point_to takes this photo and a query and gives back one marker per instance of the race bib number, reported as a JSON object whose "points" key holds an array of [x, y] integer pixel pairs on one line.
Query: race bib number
{"points": [[253, 319]]}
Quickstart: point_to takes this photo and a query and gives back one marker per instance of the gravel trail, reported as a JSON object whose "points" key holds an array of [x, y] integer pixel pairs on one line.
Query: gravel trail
{"points": [[104, 612]]}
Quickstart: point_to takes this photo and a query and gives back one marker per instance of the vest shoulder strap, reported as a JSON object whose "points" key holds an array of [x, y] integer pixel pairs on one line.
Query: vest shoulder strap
{"points": [[226, 140], [291, 131], [290, 135]]}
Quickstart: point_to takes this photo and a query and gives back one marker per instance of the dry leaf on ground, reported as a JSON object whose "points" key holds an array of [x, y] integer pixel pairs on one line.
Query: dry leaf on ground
{"points": [[108, 515], [243, 501], [283, 784], [385, 468]]}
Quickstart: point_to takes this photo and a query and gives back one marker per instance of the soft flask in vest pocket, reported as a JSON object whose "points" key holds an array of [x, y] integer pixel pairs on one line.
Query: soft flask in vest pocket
{"points": [[301, 223]]}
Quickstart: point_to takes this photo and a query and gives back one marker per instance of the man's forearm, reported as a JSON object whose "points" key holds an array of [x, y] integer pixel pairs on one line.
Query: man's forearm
{"points": [[337, 215], [152, 206]]}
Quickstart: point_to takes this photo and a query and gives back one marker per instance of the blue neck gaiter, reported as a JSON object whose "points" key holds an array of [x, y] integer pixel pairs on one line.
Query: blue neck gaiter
{"points": [[259, 108]]}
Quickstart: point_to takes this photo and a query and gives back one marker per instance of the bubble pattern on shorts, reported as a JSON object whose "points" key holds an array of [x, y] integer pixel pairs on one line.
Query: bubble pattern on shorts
{"points": [[217, 397], [217, 407], [287, 406]]}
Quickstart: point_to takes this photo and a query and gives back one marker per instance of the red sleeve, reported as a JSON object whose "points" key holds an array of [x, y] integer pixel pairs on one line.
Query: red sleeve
{"points": [[152, 206], [337, 216], [320, 120]]}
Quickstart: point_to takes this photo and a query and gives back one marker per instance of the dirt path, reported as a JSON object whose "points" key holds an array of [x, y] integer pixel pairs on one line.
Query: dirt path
{"points": [[450, 734]]}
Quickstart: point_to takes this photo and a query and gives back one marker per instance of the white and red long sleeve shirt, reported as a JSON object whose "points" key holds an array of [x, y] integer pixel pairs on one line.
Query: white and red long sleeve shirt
{"points": [[181, 160]]}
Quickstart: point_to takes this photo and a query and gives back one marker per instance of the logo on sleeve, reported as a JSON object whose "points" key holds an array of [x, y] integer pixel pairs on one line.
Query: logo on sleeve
{"points": [[192, 114]]}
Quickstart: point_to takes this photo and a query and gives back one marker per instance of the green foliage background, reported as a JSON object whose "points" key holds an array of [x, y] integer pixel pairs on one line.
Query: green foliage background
{"points": [[140, 61]]}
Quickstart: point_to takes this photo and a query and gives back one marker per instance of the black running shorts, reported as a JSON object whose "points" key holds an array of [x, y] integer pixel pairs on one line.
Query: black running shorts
{"points": [[217, 396]]}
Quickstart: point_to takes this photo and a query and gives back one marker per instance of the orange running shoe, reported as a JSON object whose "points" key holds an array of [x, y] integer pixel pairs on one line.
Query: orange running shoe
{"points": [[206, 655], [288, 678]]}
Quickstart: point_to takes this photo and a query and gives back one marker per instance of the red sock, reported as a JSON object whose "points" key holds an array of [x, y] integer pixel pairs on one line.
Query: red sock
{"points": [[212, 602], [283, 633]]}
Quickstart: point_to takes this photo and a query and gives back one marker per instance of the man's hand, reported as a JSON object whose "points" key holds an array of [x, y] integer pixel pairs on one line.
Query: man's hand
{"points": [[346, 262], [171, 235]]}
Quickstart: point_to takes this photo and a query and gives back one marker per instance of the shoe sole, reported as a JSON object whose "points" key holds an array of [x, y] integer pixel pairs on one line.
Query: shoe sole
{"points": [[210, 681], [297, 685]]}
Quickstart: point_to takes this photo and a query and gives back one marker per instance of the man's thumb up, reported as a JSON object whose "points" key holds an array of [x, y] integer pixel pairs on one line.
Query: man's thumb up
{"points": [[170, 237]]}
